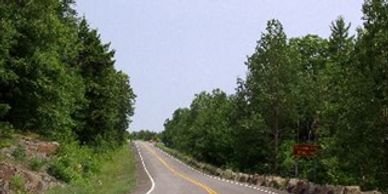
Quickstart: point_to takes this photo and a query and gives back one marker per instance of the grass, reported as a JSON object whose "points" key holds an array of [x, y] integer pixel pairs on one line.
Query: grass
{"points": [[36, 164], [17, 183], [5, 142], [116, 176], [20, 153]]}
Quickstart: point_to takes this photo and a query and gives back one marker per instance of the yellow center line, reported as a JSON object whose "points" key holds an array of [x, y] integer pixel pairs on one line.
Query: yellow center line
{"points": [[203, 186]]}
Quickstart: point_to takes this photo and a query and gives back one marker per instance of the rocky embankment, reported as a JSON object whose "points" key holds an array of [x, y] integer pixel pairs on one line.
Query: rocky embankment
{"points": [[24, 164], [290, 185]]}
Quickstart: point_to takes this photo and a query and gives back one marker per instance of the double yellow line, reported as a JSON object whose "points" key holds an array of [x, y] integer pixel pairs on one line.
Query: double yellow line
{"points": [[203, 186]]}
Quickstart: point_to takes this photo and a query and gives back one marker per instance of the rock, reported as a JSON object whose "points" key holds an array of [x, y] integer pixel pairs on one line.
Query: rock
{"points": [[314, 189], [4, 187], [258, 180], [339, 190], [33, 180], [278, 182], [328, 189], [250, 179], [210, 169], [352, 190], [47, 148], [201, 166], [371, 192], [243, 177], [228, 174], [301, 187], [7, 171], [234, 176], [219, 172], [292, 185]]}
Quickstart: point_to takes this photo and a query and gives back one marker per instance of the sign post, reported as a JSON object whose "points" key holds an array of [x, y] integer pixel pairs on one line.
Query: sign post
{"points": [[305, 150]]}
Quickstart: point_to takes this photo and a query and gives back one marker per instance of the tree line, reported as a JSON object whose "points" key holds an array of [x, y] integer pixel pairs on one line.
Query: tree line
{"points": [[332, 92], [57, 78], [145, 135]]}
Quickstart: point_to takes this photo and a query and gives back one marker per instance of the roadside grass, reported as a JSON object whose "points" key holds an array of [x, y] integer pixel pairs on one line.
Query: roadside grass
{"points": [[116, 176]]}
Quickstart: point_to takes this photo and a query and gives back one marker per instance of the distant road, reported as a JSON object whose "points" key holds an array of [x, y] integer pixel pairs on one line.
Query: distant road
{"points": [[171, 177]]}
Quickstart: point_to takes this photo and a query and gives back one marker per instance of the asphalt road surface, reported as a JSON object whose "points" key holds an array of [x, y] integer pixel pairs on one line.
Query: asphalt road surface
{"points": [[168, 176]]}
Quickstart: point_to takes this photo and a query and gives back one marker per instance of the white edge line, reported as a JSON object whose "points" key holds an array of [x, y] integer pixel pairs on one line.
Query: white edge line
{"points": [[221, 179], [145, 169]]}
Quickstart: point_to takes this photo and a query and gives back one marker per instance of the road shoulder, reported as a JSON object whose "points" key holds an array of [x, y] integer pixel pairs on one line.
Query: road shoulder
{"points": [[143, 183]]}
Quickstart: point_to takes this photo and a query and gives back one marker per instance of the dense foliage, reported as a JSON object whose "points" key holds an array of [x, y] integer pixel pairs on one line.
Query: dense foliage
{"points": [[332, 92], [57, 78]]}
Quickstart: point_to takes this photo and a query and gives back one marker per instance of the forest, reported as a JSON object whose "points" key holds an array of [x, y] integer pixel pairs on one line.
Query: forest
{"points": [[58, 80], [331, 92]]}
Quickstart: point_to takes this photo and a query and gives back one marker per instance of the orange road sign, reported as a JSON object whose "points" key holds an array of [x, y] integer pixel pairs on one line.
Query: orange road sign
{"points": [[305, 150]]}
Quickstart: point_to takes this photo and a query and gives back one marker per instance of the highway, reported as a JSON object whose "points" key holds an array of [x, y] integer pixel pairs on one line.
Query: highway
{"points": [[169, 176]]}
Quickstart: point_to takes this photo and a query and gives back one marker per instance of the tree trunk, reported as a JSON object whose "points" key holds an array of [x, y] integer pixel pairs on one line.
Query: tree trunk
{"points": [[276, 137]]}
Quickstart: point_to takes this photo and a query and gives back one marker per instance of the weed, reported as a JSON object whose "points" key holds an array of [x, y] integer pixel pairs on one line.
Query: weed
{"points": [[36, 164], [17, 183], [20, 153]]}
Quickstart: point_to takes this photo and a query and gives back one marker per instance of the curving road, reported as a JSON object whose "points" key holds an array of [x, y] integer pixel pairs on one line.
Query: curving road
{"points": [[169, 176]]}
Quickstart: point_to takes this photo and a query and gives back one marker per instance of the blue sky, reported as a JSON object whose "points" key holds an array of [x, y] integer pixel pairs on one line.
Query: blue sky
{"points": [[173, 49]]}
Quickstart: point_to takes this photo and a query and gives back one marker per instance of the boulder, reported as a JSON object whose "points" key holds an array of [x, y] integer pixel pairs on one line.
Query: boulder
{"points": [[314, 189], [201, 166], [258, 180], [327, 189], [371, 192], [210, 169], [301, 186], [219, 172], [278, 182], [352, 190], [291, 184], [47, 148], [243, 177], [339, 189], [227, 174]]}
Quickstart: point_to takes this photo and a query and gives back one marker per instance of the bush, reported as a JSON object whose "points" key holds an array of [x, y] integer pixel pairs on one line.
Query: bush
{"points": [[74, 163], [36, 164], [20, 153], [6, 132], [17, 183]]}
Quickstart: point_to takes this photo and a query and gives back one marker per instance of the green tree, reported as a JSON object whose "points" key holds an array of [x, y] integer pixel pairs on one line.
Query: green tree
{"points": [[269, 83], [363, 123], [42, 91], [248, 134], [105, 114]]}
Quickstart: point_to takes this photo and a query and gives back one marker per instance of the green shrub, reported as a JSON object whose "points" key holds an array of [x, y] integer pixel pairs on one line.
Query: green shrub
{"points": [[6, 134], [36, 164], [74, 163], [5, 143], [17, 183], [20, 153]]}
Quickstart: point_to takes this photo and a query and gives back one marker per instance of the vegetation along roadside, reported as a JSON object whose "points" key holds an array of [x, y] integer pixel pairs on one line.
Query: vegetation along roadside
{"points": [[58, 81]]}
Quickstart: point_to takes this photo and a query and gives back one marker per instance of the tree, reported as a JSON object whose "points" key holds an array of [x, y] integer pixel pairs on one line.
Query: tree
{"points": [[363, 123], [109, 97], [57, 78], [43, 91], [248, 135], [269, 81]]}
